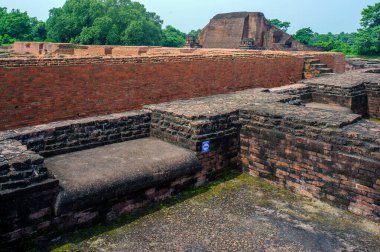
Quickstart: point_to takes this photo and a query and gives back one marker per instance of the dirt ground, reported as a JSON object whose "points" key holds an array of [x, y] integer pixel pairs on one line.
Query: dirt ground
{"points": [[235, 213]]}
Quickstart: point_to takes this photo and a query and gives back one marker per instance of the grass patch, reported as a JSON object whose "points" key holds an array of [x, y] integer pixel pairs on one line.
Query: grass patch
{"points": [[374, 120]]}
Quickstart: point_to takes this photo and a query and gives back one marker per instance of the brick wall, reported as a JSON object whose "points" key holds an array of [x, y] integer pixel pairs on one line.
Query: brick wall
{"points": [[335, 61], [313, 153], [41, 48], [73, 135], [40, 91], [221, 131], [373, 93]]}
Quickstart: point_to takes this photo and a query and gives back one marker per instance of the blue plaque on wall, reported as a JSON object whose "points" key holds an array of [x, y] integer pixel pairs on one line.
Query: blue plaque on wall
{"points": [[206, 147]]}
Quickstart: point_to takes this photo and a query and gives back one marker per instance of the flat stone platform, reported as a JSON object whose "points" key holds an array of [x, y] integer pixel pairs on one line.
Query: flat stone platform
{"points": [[329, 107], [219, 104], [346, 80], [91, 176]]}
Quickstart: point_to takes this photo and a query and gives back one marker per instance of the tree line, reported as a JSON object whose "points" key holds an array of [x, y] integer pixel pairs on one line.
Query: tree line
{"points": [[92, 22], [124, 22], [366, 41]]}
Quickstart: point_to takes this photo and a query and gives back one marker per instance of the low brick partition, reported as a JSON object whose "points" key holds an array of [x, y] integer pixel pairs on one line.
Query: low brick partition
{"points": [[73, 135], [326, 155], [211, 121]]}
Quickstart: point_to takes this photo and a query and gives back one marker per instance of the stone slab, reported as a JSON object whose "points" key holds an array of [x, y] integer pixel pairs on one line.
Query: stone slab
{"points": [[347, 80], [304, 115], [219, 104], [91, 176], [329, 107]]}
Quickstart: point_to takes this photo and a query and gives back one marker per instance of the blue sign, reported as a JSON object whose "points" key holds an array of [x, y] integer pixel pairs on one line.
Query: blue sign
{"points": [[206, 147]]}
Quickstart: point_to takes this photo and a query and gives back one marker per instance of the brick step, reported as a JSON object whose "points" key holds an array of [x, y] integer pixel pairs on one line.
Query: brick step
{"points": [[325, 70], [319, 66], [308, 57], [326, 74]]}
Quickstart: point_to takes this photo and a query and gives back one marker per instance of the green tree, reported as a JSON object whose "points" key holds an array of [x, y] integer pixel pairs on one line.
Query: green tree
{"points": [[368, 38], [368, 41], [304, 35], [195, 33], [17, 25], [284, 26], [371, 16], [97, 33], [66, 24], [342, 42], [116, 22], [142, 32], [173, 37], [39, 32]]}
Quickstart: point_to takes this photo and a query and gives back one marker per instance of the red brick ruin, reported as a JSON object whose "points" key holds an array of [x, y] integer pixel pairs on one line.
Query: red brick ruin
{"points": [[295, 118]]}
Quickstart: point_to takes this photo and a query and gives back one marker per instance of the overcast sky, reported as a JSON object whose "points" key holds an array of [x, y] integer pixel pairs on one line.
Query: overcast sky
{"points": [[321, 15]]}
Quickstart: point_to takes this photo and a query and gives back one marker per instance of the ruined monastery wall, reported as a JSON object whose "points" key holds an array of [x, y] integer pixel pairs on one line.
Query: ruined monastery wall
{"points": [[37, 91]]}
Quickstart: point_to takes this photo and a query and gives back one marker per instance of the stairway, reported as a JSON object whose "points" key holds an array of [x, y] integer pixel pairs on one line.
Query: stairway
{"points": [[314, 68]]}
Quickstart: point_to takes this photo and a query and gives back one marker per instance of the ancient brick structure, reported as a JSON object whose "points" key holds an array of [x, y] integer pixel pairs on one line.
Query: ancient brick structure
{"points": [[192, 42], [314, 153], [73, 135], [230, 29], [64, 175], [41, 48], [37, 91]]}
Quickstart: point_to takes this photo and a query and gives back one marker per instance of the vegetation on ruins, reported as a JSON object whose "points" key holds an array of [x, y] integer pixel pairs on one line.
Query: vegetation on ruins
{"points": [[283, 25], [124, 22]]}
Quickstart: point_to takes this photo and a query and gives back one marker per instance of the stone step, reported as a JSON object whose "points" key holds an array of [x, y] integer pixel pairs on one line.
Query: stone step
{"points": [[319, 66], [327, 74], [90, 177], [325, 70]]}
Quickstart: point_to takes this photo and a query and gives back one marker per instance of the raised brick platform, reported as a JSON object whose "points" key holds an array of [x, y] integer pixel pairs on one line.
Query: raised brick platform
{"points": [[96, 177]]}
